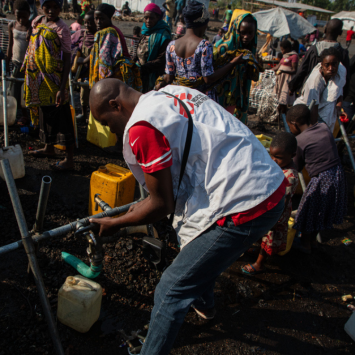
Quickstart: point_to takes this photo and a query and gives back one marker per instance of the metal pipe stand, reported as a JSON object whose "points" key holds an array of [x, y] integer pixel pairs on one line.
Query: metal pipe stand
{"points": [[30, 251]]}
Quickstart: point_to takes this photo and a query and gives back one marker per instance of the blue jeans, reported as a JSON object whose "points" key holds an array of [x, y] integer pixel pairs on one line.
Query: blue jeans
{"points": [[191, 277]]}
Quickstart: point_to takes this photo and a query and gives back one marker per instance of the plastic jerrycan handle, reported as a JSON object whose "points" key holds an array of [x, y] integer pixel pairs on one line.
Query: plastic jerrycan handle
{"points": [[112, 173], [71, 280]]}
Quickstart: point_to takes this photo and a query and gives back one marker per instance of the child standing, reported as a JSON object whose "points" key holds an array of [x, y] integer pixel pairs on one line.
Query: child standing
{"points": [[76, 26], [282, 150], [82, 42], [285, 71], [16, 51], [180, 27], [218, 36], [47, 66], [324, 203], [136, 38]]}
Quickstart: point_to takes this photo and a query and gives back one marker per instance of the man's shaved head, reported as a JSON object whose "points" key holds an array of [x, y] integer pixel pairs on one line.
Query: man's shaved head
{"points": [[102, 92], [112, 103], [334, 28]]}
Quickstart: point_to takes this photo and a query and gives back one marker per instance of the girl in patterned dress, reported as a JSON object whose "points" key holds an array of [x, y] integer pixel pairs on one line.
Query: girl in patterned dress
{"points": [[324, 203], [282, 150]]}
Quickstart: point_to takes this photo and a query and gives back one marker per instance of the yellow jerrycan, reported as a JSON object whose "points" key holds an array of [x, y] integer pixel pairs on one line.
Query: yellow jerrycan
{"points": [[100, 135], [114, 184]]}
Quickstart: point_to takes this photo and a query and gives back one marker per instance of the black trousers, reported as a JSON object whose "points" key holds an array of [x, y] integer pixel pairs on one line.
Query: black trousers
{"points": [[56, 125]]}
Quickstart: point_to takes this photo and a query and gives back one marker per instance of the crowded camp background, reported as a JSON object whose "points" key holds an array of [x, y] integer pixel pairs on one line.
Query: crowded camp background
{"points": [[178, 108]]}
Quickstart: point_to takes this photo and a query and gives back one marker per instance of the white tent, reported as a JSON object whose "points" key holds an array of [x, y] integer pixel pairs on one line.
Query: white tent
{"points": [[281, 22], [139, 5], [348, 18], [295, 6], [135, 5]]}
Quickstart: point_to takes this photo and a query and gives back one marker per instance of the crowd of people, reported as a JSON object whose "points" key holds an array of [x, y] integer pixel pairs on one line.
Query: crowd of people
{"points": [[180, 110]]}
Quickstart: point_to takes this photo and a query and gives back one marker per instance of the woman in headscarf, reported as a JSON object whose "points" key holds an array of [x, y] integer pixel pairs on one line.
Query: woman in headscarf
{"points": [[233, 92], [156, 35], [109, 57], [47, 66], [189, 60]]}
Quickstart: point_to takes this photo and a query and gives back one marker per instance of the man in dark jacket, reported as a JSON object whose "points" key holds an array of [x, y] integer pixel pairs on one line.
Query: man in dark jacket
{"points": [[333, 29]]}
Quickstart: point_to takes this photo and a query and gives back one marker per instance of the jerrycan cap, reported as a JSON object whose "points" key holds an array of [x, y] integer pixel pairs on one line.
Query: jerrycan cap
{"points": [[71, 281], [102, 169]]}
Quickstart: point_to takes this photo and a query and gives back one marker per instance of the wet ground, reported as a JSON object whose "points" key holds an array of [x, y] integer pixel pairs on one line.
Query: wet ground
{"points": [[293, 308]]}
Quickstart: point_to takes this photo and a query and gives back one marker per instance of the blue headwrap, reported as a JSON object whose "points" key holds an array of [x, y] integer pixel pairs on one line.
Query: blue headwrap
{"points": [[59, 2], [195, 14]]}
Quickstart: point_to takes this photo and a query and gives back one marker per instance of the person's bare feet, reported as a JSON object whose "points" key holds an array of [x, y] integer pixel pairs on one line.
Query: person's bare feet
{"points": [[43, 153], [252, 269], [206, 313]]}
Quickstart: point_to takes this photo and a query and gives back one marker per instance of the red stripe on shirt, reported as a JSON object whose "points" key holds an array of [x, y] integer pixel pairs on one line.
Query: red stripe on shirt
{"points": [[150, 146]]}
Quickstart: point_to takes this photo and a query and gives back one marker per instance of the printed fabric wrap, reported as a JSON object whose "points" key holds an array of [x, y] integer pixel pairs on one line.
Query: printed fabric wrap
{"points": [[85, 7], [253, 69], [107, 61], [235, 88], [43, 69]]}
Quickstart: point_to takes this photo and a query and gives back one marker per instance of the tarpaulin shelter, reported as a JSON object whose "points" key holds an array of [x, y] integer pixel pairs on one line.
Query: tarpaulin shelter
{"points": [[280, 22], [295, 6], [348, 18]]}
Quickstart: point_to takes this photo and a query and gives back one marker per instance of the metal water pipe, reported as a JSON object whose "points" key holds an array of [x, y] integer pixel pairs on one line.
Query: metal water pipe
{"points": [[30, 251], [42, 203], [4, 103], [70, 227]]}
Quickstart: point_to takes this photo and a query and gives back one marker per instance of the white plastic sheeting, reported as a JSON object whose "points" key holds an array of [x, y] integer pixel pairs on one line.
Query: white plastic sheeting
{"points": [[161, 2], [139, 5], [348, 18], [295, 6], [281, 22], [135, 5]]}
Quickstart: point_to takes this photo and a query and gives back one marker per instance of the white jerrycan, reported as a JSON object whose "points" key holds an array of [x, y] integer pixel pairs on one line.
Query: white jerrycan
{"points": [[79, 303], [11, 110], [15, 157]]}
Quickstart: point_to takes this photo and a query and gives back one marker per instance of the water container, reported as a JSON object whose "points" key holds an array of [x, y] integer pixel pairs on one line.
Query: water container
{"points": [[114, 184], [291, 233], [11, 110], [264, 140], [100, 135], [15, 157], [79, 303], [350, 326]]}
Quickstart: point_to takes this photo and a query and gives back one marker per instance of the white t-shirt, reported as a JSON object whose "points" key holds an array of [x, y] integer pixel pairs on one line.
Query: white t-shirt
{"points": [[325, 94]]}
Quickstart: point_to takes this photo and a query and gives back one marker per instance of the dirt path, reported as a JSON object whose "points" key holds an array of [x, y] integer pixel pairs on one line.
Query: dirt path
{"points": [[293, 308]]}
